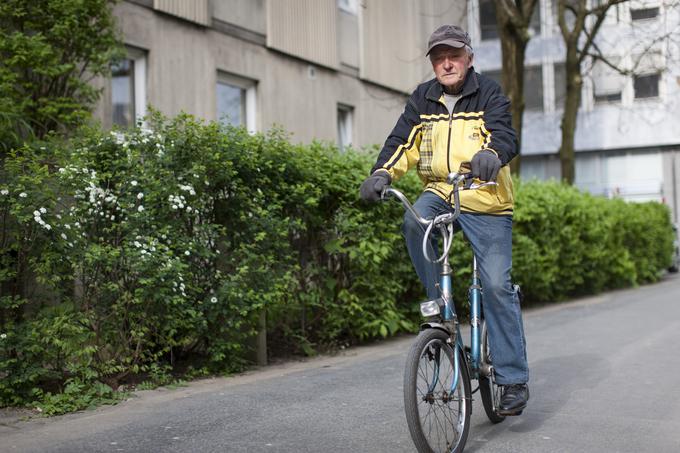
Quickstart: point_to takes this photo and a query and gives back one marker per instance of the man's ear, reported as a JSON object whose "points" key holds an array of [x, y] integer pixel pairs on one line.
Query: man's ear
{"points": [[472, 57]]}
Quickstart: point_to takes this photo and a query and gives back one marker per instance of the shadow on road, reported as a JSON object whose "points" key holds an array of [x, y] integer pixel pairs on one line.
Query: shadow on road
{"points": [[576, 372]]}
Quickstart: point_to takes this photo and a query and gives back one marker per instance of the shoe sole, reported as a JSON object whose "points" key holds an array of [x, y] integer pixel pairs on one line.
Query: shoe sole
{"points": [[517, 411]]}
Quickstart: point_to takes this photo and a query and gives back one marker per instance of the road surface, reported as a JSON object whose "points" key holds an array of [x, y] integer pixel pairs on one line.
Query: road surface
{"points": [[605, 375]]}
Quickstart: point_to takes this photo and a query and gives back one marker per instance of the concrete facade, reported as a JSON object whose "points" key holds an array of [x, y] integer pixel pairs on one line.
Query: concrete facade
{"points": [[300, 62], [627, 147]]}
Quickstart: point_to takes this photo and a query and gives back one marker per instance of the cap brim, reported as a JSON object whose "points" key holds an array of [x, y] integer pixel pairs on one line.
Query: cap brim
{"points": [[446, 42]]}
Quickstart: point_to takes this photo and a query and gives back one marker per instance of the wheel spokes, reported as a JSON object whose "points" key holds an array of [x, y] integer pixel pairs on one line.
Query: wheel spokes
{"points": [[441, 411]]}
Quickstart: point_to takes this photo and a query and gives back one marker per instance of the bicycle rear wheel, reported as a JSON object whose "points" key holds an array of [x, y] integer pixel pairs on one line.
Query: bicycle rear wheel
{"points": [[490, 391], [438, 416]]}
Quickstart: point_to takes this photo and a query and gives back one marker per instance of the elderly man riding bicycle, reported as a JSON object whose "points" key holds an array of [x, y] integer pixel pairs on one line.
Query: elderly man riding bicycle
{"points": [[462, 116]]}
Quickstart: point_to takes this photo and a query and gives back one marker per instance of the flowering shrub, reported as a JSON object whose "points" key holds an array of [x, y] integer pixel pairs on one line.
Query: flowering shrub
{"points": [[129, 255], [127, 251]]}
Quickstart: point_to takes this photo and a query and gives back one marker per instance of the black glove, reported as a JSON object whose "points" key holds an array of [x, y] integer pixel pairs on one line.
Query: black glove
{"points": [[373, 186], [485, 165]]}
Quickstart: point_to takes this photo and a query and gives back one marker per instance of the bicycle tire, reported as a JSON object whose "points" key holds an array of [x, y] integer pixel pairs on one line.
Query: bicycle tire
{"points": [[419, 403], [488, 389]]}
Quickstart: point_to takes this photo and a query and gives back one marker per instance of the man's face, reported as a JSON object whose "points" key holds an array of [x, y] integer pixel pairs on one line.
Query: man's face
{"points": [[450, 66]]}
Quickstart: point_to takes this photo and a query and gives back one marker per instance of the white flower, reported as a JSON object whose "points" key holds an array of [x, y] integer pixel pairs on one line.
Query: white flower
{"points": [[23, 194], [187, 188], [140, 195], [213, 300], [36, 214], [140, 208], [48, 226], [137, 244], [187, 253], [133, 182], [3, 336], [188, 208], [63, 236], [67, 226], [4, 192], [43, 210]]}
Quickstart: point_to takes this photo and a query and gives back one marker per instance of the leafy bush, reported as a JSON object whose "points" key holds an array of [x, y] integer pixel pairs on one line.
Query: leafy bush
{"points": [[568, 243], [50, 51], [133, 256]]}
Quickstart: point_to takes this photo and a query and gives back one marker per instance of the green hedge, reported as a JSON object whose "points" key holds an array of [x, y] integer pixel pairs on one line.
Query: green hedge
{"points": [[129, 256]]}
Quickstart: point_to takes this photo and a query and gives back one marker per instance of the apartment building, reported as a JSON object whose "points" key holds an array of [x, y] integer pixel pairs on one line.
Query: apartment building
{"points": [[334, 70], [628, 131]]}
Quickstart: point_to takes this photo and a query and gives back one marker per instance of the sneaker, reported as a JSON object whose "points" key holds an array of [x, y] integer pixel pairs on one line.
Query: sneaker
{"points": [[514, 399]]}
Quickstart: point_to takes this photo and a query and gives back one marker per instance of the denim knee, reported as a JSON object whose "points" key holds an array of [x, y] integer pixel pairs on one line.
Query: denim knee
{"points": [[410, 226], [498, 289]]}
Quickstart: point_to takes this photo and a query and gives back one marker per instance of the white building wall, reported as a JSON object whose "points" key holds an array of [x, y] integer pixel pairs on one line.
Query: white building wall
{"points": [[624, 148]]}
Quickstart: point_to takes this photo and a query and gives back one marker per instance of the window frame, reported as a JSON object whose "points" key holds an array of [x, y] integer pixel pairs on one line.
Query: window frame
{"points": [[138, 57], [250, 99], [345, 122]]}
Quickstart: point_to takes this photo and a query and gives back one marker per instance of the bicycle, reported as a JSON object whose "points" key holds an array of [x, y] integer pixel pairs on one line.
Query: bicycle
{"points": [[439, 367]]}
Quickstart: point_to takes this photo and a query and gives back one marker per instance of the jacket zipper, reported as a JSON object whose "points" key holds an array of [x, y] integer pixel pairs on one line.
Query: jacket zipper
{"points": [[448, 145]]}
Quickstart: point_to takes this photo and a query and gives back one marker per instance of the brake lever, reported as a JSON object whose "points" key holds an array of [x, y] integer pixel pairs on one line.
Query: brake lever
{"points": [[474, 186]]}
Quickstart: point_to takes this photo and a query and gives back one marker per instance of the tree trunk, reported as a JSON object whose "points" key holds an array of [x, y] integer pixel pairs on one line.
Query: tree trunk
{"points": [[513, 85], [513, 29], [571, 105]]}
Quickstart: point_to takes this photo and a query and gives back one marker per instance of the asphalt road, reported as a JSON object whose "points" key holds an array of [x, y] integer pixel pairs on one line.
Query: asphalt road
{"points": [[605, 375]]}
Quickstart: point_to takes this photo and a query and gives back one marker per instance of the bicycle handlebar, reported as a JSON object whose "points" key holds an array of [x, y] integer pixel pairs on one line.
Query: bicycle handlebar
{"points": [[443, 221]]}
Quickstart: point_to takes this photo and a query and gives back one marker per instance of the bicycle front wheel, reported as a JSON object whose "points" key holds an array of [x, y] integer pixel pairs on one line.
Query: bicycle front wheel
{"points": [[437, 412], [489, 390]]}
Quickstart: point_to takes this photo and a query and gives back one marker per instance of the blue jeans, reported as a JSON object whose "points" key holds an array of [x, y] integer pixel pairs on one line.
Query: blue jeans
{"points": [[491, 240]]}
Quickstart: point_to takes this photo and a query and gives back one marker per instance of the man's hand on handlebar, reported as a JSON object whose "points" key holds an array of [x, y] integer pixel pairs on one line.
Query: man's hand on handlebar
{"points": [[373, 187], [485, 165]]}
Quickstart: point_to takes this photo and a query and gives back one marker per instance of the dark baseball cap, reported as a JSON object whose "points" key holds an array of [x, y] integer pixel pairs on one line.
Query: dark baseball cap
{"points": [[449, 35]]}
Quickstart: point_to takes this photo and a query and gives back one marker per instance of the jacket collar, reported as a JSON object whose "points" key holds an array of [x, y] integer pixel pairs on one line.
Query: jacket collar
{"points": [[470, 85]]}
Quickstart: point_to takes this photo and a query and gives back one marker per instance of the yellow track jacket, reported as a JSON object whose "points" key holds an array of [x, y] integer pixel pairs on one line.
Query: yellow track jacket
{"points": [[427, 137]]}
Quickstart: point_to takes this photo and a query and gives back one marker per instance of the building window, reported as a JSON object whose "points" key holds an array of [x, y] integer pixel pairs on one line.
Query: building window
{"points": [[644, 13], [128, 89], [123, 92], [231, 104], [487, 19], [646, 86], [533, 88], [349, 6], [607, 82], [236, 101], [345, 119]]}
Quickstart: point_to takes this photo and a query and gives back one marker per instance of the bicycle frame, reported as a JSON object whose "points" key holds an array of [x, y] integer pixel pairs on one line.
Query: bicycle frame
{"points": [[449, 320], [450, 323]]}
